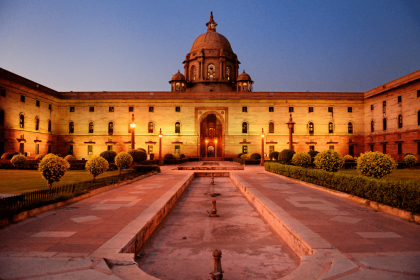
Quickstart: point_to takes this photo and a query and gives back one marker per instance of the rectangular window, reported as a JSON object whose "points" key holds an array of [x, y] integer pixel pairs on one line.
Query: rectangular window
{"points": [[70, 150], [244, 109], [310, 109], [330, 109], [270, 109], [177, 149], [418, 95], [71, 109], [371, 147], [350, 109], [244, 149], [131, 109], [399, 99], [49, 107], [151, 109], [331, 147], [150, 149], [90, 149], [49, 149], [384, 148], [400, 148], [290, 109], [22, 148], [3, 92], [177, 109], [91, 109], [37, 103], [37, 149], [311, 148], [371, 107], [22, 98], [111, 109], [384, 104], [351, 151], [270, 149], [110, 147]]}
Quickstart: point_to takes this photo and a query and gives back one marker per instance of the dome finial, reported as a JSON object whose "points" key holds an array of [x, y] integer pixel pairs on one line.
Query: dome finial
{"points": [[211, 25]]}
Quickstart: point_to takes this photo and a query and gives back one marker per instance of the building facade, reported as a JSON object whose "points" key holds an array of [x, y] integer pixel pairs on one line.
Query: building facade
{"points": [[211, 111]]}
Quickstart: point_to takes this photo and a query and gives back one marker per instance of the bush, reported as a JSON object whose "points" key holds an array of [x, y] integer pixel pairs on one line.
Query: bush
{"points": [[112, 166], [69, 157], [255, 156], [239, 155], [406, 154], [274, 155], [52, 168], [410, 160], [109, 156], [286, 156], [97, 165], [123, 160], [348, 158], [244, 156], [313, 153], [18, 161], [400, 194], [168, 156], [301, 159], [39, 157], [376, 165], [177, 156], [8, 155], [329, 160], [138, 155], [141, 149], [181, 156], [146, 168]]}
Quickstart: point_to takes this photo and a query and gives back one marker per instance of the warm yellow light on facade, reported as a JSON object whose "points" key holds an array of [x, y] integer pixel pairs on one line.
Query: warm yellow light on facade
{"points": [[132, 125]]}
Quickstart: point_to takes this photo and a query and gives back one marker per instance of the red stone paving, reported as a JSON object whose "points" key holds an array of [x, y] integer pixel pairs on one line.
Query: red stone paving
{"points": [[341, 235]]}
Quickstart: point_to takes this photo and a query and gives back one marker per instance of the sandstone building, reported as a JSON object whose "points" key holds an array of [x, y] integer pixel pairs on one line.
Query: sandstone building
{"points": [[210, 111]]}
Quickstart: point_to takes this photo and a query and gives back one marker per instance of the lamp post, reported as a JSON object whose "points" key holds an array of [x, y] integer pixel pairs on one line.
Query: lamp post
{"points": [[215, 147], [262, 147], [160, 147], [207, 141], [132, 126], [290, 125]]}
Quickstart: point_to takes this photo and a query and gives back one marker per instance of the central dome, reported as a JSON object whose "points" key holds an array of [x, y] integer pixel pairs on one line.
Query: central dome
{"points": [[211, 40]]}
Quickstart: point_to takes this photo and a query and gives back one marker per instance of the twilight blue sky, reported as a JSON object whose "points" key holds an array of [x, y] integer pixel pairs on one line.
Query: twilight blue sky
{"points": [[296, 45]]}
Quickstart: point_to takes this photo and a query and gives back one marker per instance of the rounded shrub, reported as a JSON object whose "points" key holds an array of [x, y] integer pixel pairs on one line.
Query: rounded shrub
{"points": [[244, 156], [138, 155], [52, 168], [410, 160], [240, 155], [274, 155], [18, 161], [141, 149], [406, 154], [286, 156], [97, 165], [348, 158], [69, 157], [169, 156], [112, 166], [177, 156], [329, 160], [8, 155], [375, 164], [109, 156], [39, 157], [302, 159], [255, 156], [123, 160], [181, 156]]}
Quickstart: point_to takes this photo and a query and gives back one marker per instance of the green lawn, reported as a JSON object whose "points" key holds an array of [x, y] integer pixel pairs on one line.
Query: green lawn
{"points": [[20, 181], [398, 174]]}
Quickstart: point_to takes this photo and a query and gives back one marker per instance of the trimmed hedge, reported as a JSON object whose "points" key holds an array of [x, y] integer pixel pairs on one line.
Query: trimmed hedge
{"points": [[146, 168], [400, 194], [247, 161]]}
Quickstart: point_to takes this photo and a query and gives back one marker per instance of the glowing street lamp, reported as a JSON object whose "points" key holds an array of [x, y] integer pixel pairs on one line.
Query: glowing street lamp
{"points": [[160, 147], [132, 126], [262, 147], [207, 141], [215, 147], [290, 125]]}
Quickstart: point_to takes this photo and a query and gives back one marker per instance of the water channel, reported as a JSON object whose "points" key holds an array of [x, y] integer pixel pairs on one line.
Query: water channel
{"points": [[181, 246]]}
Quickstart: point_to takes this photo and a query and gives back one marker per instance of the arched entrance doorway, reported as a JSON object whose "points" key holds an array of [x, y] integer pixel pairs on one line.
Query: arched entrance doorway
{"points": [[211, 137]]}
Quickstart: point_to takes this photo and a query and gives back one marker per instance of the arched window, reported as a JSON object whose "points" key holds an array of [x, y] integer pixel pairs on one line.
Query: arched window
{"points": [[228, 73], [330, 127], [193, 73], [110, 128], [71, 127], [244, 86], [90, 127], [350, 127], [211, 71], [150, 127], [1, 117], [21, 121], [384, 123], [311, 128], [177, 86], [36, 123], [400, 121], [372, 126], [177, 127], [244, 127], [271, 127], [49, 125]]}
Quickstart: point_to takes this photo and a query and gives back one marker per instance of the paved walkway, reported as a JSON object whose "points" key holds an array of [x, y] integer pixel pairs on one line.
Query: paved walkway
{"points": [[60, 244]]}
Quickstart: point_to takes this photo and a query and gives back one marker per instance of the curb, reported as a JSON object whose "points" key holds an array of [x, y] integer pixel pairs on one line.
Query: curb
{"points": [[33, 212], [403, 214]]}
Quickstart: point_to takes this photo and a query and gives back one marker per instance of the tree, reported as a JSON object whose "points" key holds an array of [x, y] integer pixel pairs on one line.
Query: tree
{"points": [[301, 159], [274, 155], [96, 165], [123, 160], [109, 156], [375, 164], [138, 155], [410, 160], [52, 168], [329, 160], [18, 161], [286, 156]]}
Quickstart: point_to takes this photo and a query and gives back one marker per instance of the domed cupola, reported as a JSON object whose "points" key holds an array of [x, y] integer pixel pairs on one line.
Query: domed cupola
{"points": [[178, 82], [244, 82]]}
